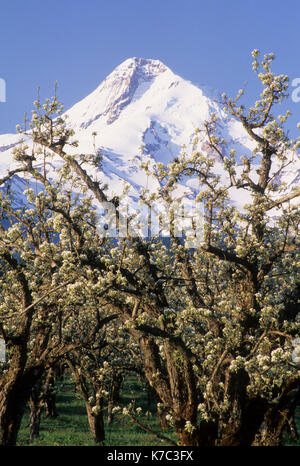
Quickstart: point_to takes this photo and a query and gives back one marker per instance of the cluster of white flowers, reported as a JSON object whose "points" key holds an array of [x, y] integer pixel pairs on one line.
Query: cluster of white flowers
{"points": [[189, 427], [96, 410], [203, 411], [277, 355], [116, 409], [236, 364]]}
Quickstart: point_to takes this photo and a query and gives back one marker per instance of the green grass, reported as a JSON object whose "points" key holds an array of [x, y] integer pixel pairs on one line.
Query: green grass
{"points": [[69, 428]]}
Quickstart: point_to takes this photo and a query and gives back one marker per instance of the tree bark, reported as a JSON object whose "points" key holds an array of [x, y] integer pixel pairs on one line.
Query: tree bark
{"points": [[14, 397], [161, 413], [35, 405], [50, 398], [114, 395], [96, 424]]}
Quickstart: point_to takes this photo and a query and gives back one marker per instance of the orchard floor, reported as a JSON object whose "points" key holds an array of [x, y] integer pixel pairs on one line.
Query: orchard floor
{"points": [[71, 427]]}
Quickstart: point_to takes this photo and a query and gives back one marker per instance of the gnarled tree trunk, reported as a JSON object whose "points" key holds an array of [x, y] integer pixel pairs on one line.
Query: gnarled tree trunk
{"points": [[14, 395]]}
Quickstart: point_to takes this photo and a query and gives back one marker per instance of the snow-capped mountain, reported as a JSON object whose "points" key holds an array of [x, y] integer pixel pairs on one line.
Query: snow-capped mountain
{"points": [[142, 103]]}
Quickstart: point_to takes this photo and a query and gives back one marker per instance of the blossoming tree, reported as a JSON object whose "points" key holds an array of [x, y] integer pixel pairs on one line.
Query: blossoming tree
{"points": [[217, 325]]}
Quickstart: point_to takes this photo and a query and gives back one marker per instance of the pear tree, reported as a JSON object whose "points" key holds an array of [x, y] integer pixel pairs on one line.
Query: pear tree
{"points": [[217, 325]]}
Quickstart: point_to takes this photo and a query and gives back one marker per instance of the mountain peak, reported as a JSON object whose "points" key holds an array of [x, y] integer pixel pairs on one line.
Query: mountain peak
{"points": [[145, 66], [117, 91]]}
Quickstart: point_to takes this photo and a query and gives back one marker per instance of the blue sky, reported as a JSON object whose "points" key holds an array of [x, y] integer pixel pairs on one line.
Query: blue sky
{"points": [[78, 43]]}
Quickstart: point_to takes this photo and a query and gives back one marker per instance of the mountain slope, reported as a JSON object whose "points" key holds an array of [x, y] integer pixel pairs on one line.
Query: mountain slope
{"points": [[143, 103]]}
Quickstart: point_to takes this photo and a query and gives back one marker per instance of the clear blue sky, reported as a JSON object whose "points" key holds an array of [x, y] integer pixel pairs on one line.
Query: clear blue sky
{"points": [[79, 42]]}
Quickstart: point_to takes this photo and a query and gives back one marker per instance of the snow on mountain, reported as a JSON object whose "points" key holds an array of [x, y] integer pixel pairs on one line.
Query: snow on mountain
{"points": [[124, 85], [143, 103]]}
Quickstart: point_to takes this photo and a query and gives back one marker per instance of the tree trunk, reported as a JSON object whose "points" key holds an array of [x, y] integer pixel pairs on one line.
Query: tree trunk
{"points": [[292, 427], [239, 429], [161, 413], [114, 395], [35, 405], [110, 415], [208, 434], [231, 435], [50, 398], [279, 416], [96, 424], [14, 397], [175, 387], [12, 407], [94, 413]]}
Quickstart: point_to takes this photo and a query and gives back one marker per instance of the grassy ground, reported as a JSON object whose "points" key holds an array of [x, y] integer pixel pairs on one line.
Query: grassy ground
{"points": [[71, 426]]}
